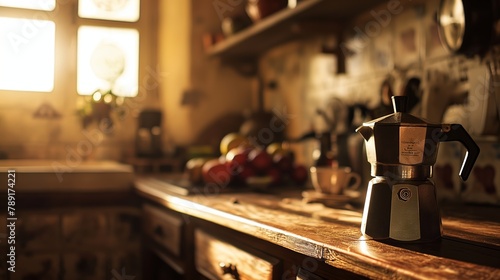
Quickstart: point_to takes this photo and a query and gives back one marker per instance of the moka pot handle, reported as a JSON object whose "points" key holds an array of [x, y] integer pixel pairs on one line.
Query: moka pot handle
{"points": [[456, 132]]}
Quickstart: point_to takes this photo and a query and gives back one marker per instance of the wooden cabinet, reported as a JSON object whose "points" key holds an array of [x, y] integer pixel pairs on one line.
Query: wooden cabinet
{"points": [[164, 228], [74, 236], [78, 243], [166, 242], [218, 259], [180, 246]]}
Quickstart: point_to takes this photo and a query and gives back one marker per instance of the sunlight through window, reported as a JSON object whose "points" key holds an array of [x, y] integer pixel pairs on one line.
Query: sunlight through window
{"points": [[122, 10], [45, 5], [27, 54], [106, 49], [108, 58]]}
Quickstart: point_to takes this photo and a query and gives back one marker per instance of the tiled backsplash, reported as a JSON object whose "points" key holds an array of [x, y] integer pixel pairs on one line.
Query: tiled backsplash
{"points": [[402, 47]]}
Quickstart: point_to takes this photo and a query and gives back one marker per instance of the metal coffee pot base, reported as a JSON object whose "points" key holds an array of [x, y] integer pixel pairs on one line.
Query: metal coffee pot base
{"points": [[404, 210]]}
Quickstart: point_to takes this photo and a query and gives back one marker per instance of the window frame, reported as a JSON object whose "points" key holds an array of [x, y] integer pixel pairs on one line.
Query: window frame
{"points": [[66, 19]]}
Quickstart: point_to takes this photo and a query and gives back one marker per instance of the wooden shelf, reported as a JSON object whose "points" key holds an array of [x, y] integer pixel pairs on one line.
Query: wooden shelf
{"points": [[309, 17]]}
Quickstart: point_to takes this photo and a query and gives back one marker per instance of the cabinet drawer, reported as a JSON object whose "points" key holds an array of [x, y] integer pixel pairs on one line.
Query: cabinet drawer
{"points": [[306, 275], [217, 259], [164, 228]]}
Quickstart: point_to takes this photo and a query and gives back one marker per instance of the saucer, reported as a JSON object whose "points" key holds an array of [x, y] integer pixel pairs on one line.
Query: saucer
{"points": [[329, 199]]}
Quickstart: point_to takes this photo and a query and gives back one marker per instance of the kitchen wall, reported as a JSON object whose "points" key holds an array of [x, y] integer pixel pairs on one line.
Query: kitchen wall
{"points": [[398, 46], [198, 92], [47, 126], [380, 45]]}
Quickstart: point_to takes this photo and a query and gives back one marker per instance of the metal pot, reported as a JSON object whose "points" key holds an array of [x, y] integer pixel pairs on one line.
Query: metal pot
{"points": [[406, 146]]}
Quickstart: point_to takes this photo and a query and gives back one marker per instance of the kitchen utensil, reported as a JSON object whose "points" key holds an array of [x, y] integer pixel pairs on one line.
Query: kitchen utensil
{"points": [[467, 26], [401, 200], [263, 127], [440, 94], [331, 124], [325, 157]]}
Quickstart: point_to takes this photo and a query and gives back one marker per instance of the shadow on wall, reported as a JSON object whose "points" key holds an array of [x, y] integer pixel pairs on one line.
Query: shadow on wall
{"points": [[213, 133]]}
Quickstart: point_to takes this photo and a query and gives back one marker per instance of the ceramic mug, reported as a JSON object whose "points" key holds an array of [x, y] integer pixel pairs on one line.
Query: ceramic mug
{"points": [[334, 180]]}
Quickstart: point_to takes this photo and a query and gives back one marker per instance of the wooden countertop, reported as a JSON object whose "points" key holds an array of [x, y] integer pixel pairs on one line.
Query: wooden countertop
{"points": [[469, 249]]}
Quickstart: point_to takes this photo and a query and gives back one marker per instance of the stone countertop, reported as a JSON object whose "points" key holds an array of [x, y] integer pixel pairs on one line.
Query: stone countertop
{"points": [[469, 249]]}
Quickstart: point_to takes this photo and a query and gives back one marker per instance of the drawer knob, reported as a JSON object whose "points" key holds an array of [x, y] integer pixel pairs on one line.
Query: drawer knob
{"points": [[229, 268], [159, 231]]}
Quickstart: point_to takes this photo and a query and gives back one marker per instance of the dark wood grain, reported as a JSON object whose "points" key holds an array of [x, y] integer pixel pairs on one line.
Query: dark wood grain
{"points": [[469, 249], [34, 200]]}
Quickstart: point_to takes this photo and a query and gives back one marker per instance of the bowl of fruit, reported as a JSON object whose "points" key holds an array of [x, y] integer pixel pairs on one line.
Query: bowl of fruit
{"points": [[244, 164]]}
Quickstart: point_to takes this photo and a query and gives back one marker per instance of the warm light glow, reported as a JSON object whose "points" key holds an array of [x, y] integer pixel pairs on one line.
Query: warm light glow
{"points": [[108, 98], [27, 54], [156, 130], [363, 246], [119, 101], [45, 5], [122, 10], [108, 58], [96, 96]]}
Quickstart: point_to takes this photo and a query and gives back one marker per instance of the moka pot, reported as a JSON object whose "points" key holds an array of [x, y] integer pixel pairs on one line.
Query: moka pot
{"points": [[401, 201]]}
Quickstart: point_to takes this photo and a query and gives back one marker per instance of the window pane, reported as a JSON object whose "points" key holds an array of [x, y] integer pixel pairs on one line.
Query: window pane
{"points": [[27, 54], [45, 5], [108, 58], [123, 10]]}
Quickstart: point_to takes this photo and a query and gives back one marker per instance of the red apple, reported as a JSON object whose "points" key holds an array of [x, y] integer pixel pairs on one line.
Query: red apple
{"points": [[299, 174], [276, 175], [245, 173], [284, 162], [216, 172], [236, 159], [194, 170], [260, 160]]}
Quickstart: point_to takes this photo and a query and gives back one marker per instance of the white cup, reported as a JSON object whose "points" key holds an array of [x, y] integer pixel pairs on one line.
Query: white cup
{"points": [[334, 180]]}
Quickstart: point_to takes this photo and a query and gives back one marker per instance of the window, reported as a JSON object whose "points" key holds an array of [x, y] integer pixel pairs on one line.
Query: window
{"points": [[122, 10], [46, 5], [107, 59], [27, 54], [90, 45]]}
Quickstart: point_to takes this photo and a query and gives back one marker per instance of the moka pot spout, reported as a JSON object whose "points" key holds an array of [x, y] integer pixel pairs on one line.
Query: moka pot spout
{"points": [[365, 131]]}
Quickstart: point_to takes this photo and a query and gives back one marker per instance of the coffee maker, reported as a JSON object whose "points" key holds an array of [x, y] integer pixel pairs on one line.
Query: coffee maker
{"points": [[148, 135], [401, 201]]}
